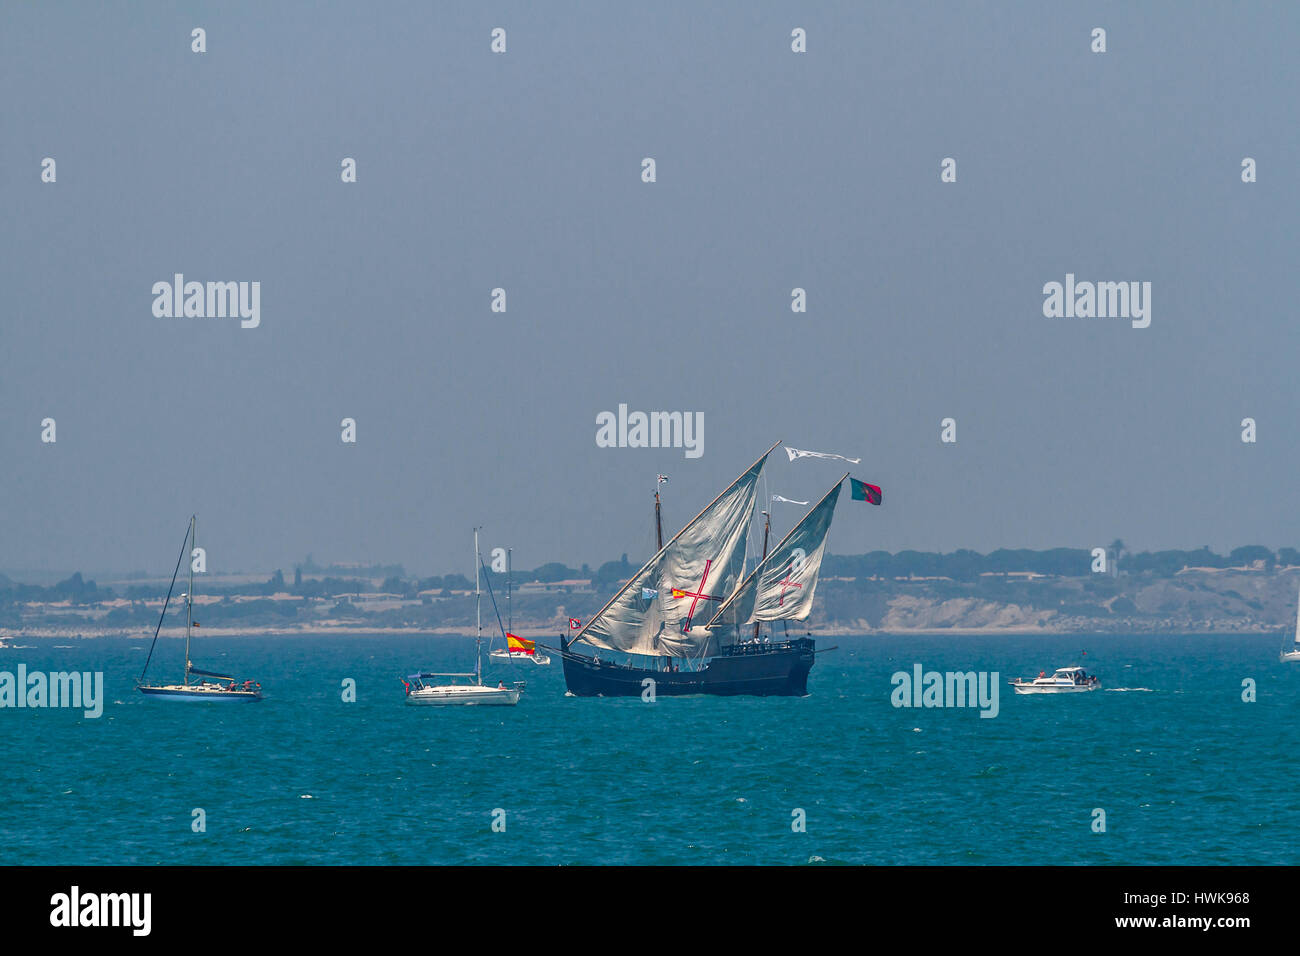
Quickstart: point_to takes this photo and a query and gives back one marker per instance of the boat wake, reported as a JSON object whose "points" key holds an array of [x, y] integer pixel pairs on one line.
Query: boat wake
{"points": [[1117, 690]]}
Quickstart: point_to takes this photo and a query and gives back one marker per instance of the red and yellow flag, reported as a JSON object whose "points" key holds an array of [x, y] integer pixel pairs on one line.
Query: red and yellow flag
{"points": [[519, 644]]}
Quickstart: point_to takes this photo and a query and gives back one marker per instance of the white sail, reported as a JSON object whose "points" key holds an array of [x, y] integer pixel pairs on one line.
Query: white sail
{"points": [[1297, 624], [781, 587], [662, 609]]}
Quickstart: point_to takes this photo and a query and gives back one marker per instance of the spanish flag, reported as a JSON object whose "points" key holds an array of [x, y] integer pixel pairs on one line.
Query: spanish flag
{"points": [[519, 644]]}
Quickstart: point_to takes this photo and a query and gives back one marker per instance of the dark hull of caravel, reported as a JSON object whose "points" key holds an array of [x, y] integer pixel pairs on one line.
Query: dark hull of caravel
{"points": [[779, 670]]}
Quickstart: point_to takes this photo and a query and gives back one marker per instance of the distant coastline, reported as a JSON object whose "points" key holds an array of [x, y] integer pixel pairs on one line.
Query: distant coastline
{"points": [[1253, 590], [351, 629]]}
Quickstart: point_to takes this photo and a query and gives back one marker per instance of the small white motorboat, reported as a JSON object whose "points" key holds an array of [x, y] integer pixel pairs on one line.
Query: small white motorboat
{"points": [[1064, 680]]}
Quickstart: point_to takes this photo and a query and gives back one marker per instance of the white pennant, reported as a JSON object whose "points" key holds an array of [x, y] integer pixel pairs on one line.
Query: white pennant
{"points": [[789, 501], [799, 453]]}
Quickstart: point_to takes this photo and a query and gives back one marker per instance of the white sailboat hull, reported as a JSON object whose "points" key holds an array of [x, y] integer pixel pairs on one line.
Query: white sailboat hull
{"points": [[1290, 656], [452, 695], [539, 659], [201, 692]]}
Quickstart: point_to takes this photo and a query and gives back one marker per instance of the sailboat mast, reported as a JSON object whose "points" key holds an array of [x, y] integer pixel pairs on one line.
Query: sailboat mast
{"points": [[478, 618], [510, 614], [189, 605], [767, 526]]}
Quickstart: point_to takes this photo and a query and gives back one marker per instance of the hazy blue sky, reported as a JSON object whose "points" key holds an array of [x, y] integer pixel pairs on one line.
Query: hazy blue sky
{"points": [[775, 170]]}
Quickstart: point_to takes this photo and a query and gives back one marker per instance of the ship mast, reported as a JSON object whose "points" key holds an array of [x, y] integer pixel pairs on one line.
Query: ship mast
{"points": [[478, 618], [510, 614], [659, 538], [189, 605], [659, 524], [767, 526]]}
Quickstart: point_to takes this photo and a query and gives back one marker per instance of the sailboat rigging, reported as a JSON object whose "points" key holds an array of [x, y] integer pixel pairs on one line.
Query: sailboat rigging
{"points": [[221, 687], [765, 595]]}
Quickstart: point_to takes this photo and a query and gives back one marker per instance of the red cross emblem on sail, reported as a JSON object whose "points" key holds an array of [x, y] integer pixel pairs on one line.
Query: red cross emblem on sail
{"points": [[786, 585], [696, 596]]}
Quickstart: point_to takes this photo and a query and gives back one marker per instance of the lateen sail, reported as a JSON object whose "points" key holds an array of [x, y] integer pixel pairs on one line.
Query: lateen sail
{"points": [[781, 587], [662, 609]]}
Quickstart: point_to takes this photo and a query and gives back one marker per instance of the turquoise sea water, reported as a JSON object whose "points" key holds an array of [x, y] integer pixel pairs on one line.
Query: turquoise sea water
{"points": [[1186, 772]]}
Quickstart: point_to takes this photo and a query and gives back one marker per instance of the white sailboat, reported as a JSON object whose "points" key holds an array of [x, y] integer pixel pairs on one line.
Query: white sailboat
{"points": [[419, 693], [517, 648], [210, 686], [520, 649], [1294, 653]]}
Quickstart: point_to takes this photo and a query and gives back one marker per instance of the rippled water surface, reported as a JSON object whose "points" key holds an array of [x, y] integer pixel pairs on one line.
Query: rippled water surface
{"points": [[1185, 770]]}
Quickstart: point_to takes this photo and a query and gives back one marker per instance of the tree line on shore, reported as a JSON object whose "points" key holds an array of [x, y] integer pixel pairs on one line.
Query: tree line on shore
{"points": [[960, 565]]}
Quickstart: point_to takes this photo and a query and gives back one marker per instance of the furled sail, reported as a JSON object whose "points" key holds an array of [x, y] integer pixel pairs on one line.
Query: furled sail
{"points": [[781, 587], [661, 611]]}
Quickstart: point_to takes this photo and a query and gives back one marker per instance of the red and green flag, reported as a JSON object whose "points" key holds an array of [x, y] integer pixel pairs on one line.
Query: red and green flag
{"points": [[864, 492]]}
